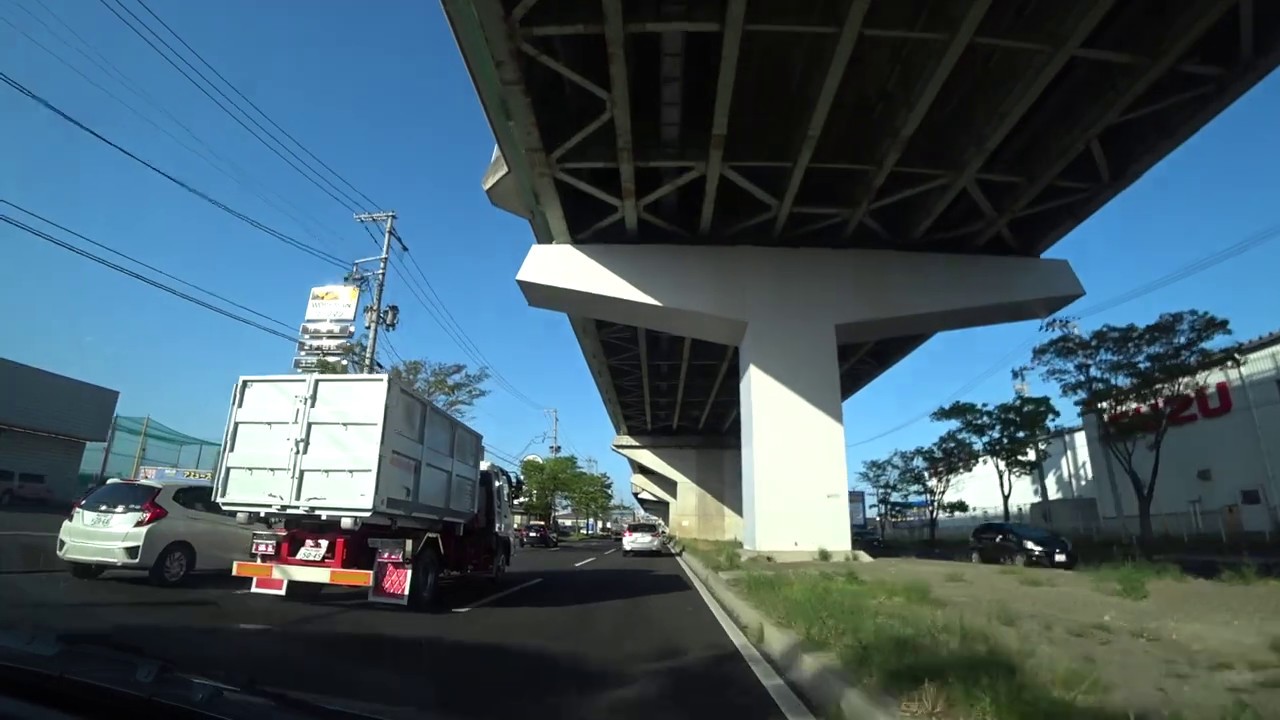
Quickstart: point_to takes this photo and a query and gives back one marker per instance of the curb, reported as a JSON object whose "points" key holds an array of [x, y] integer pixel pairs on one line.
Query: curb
{"points": [[817, 675]]}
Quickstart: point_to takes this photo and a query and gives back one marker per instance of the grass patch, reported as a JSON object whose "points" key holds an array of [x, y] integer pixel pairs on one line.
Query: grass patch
{"points": [[1130, 580], [897, 638], [1035, 580], [717, 555], [955, 576]]}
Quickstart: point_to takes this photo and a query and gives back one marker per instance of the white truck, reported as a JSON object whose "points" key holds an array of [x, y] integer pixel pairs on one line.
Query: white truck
{"points": [[363, 483]]}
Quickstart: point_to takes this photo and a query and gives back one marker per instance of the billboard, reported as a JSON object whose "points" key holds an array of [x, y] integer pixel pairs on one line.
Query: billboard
{"points": [[327, 330], [333, 303], [857, 508], [163, 474]]}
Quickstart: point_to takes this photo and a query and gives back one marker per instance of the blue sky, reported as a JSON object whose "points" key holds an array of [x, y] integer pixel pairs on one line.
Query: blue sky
{"points": [[379, 92]]}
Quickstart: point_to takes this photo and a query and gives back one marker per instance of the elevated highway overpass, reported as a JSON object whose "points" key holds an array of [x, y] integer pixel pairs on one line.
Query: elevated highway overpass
{"points": [[750, 209]]}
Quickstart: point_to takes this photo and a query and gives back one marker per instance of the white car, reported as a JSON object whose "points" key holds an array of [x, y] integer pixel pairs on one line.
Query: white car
{"points": [[642, 537], [166, 529]]}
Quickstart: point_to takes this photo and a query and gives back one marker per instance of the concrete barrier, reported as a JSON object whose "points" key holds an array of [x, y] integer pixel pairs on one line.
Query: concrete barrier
{"points": [[817, 675]]}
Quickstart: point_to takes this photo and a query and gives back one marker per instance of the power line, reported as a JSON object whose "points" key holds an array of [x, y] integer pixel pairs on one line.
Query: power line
{"points": [[233, 116], [253, 105], [287, 239], [1189, 270], [140, 263], [143, 278], [238, 177]]}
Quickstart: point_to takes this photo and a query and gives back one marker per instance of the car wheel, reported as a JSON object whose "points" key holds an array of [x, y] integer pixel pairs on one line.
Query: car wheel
{"points": [[1020, 559], [173, 565], [6, 497], [975, 557], [626, 553], [80, 571]]}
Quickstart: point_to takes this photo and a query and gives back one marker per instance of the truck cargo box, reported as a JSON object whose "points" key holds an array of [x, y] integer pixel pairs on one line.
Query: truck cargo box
{"points": [[364, 446]]}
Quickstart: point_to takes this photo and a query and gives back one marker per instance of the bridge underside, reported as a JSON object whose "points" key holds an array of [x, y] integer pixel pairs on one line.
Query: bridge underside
{"points": [[969, 126]]}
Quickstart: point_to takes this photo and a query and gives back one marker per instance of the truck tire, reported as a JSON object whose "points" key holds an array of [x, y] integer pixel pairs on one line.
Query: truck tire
{"points": [[424, 587], [501, 559]]}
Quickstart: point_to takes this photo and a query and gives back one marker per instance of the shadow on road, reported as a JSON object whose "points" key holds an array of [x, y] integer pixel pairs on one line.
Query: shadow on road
{"points": [[452, 678]]}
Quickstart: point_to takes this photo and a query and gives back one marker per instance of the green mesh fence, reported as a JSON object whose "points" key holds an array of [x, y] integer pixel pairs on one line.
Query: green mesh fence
{"points": [[160, 445]]}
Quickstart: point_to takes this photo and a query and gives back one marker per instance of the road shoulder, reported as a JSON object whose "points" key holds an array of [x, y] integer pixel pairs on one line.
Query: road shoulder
{"points": [[817, 675]]}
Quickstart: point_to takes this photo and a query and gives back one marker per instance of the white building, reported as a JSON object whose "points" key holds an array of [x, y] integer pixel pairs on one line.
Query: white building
{"points": [[45, 421], [1218, 466]]}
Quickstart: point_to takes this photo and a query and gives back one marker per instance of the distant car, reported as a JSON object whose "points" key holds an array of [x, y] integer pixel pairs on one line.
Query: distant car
{"points": [[642, 537], [21, 487], [867, 539], [166, 529], [1020, 544], [538, 534]]}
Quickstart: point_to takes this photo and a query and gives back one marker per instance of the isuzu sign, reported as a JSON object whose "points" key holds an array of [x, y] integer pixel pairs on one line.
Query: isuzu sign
{"points": [[1184, 409]]}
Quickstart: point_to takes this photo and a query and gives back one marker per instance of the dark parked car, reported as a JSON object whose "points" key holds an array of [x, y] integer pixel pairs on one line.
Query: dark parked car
{"points": [[1019, 544]]}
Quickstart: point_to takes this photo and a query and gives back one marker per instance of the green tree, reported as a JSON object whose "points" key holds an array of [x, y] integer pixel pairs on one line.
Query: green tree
{"points": [[590, 495], [453, 387], [548, 485], [880, 476], [1130, 378], [1011, 435], [930, 473]]}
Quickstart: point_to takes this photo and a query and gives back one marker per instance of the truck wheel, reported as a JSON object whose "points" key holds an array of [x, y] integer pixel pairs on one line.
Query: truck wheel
{"points": [[499, 569], [424, 588]]}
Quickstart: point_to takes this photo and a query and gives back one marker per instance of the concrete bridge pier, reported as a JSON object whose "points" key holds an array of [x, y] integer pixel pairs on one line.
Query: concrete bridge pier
{"points": [[788, 310], [700, 478]]}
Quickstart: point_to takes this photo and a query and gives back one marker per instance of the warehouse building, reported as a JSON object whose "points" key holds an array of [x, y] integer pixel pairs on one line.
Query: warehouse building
{"points": [[45, 421], [1219, 466]]}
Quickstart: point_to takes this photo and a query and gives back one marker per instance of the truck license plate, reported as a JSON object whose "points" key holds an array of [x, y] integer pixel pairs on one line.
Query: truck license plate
{"points": [[311, 554], [1060, 557]]}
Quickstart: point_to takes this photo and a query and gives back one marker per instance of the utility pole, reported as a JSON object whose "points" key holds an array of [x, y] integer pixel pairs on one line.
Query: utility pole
{"points": [[374, 316], [555, 431]]}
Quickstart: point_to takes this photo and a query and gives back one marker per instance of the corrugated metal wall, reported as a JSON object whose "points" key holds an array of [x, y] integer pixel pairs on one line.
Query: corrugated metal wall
{"points": [[58, 460], [35, 399]]}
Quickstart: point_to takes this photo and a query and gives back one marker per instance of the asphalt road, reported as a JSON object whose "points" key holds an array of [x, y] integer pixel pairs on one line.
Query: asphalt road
{"points": [[575, 632]]}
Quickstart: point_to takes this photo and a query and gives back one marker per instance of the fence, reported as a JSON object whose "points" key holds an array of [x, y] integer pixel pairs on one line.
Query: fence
{"points": [[137, 441]]}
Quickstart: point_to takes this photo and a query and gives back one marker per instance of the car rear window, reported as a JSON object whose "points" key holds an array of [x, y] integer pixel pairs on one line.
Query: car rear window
{"points": [[643, 528], [119, 497]]}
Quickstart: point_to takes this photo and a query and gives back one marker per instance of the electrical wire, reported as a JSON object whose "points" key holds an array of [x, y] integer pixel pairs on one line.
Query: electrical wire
{"points": [[1182, 273], [283, 237], [237, 178], [429, 298], [144, 279], [255, 134]]}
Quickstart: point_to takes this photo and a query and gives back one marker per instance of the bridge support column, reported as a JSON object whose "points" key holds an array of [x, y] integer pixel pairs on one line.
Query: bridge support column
{"points": [[703, 485], [788, 310]]}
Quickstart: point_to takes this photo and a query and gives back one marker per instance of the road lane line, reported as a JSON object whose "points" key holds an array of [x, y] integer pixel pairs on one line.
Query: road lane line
{"points": [[606, 552], [584, 562], [788, 703], [554, 549], [495, 596]]}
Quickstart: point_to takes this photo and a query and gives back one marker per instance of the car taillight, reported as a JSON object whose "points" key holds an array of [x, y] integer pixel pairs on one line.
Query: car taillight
{"points": [[626, 533], [151, 512], [657, 534], [74, 507]]}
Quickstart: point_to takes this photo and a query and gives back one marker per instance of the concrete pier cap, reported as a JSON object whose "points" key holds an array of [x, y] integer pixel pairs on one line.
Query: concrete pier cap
{"points": [[787, 310]]}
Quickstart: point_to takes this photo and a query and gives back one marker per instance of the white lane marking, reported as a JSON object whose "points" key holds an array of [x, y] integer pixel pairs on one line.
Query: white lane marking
{"points": [[554, 549], [584, 562], [28, 533], [606, 552], [788, 703], [248, 626], [495, 596]]}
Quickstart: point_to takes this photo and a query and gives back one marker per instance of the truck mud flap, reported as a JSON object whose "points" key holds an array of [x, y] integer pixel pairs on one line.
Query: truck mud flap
{"points": [[392, 577]]}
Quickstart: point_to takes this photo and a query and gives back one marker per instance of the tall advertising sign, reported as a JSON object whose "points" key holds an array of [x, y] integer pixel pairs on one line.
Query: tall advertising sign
{"points": [[857, 508], [328, 327]]}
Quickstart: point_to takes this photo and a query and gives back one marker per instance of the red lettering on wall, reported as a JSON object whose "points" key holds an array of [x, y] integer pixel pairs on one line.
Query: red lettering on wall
{"points": [[1184, 409]]}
